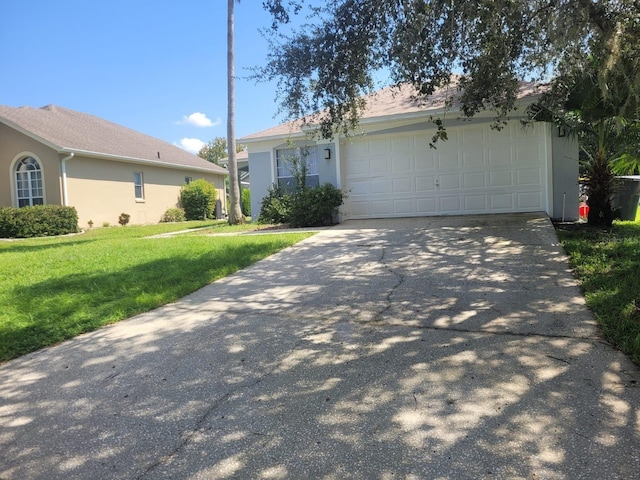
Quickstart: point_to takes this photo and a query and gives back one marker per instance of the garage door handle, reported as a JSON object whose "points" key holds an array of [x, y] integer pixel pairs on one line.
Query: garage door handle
{"points": [[437, 182]]}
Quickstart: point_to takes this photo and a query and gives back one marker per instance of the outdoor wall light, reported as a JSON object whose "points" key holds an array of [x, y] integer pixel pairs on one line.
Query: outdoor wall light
{"points": [[562, 131], [327, 154]]}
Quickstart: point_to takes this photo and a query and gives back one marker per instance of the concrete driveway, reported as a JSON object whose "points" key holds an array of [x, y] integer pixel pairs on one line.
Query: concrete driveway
{"points": [[448, 348]]}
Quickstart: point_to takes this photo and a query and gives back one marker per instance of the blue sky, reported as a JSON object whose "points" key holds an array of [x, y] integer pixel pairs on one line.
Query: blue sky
{"points": [[156, 67]]}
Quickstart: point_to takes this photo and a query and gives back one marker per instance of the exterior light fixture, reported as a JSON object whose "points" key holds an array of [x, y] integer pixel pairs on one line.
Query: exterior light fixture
{"points": [[562, 131], [327, 154]]}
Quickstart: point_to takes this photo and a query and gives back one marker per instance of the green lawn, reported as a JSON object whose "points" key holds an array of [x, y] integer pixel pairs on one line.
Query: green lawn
{"points": [[608, 266], [55, 288]]}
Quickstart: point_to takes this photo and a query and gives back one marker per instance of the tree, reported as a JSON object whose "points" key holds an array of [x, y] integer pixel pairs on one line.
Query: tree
{"points": [[609, 142], [323, 69], [216, 149], [235, 211]]}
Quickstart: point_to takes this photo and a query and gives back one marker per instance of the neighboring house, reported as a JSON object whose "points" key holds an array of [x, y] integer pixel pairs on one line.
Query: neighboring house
{"points": [[242, 160], [53, 155], [388, 169]]}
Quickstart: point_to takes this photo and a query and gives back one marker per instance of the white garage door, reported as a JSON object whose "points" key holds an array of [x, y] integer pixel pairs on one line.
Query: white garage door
{"points": [[477, 170]]}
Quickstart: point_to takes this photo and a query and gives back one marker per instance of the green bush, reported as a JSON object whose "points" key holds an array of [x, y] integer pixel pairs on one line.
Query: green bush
{"points": [[304, 207], [175, 214], [315, 206], [245, 202], [38, 221], [123, 219], [198, 199], [276, 206]]}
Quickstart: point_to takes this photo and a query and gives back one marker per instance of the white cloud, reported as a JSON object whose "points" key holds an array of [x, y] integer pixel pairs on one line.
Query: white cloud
{"points": [[192, 145], [198, 119]]}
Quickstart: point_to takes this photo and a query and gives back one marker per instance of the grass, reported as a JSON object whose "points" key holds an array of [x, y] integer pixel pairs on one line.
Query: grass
{"points": [[53, 289], [607, 262]]}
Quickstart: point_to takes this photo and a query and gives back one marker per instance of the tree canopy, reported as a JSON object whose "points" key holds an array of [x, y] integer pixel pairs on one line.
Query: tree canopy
{"points": [[331, 60], [216, 149]]}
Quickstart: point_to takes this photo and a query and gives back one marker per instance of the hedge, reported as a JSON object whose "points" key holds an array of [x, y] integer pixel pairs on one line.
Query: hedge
{"points": [[37, 221]]}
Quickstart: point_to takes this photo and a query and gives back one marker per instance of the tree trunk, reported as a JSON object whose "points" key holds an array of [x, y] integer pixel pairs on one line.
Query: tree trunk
{"points": [[600, 188], [235, 212]]}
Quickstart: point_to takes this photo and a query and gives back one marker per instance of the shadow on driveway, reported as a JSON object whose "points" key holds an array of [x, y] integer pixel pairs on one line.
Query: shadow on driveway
{"points": [[445, 348]]}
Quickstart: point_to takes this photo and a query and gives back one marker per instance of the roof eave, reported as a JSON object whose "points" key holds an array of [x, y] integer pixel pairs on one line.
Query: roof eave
{"points": [[396, 117], [141, 161]]}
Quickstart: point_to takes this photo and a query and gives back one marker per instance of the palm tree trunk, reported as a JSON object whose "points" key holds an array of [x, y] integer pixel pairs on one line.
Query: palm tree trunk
{"points": [[235, 212]]}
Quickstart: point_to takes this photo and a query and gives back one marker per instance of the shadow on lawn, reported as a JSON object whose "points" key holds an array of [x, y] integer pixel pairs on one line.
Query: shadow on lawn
{"points": [[423, 351], [61, 308]]}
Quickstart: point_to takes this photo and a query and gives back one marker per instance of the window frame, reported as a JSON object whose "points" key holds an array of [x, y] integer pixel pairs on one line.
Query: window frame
{"points": [[138, 185], [28, 184], [284, 176]]}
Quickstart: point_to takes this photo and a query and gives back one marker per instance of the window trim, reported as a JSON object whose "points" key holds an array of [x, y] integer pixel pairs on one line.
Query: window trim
{"points": [[13, 175], [137, 186], [312, 172]]}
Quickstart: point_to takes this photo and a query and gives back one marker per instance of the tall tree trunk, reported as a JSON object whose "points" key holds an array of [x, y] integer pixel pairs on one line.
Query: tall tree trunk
{"points": [[235, 212]]}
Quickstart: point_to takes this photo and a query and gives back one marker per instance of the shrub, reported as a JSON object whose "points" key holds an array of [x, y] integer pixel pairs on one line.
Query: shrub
{"points": [[38, 221], [276, 206], [198, 199], [123, 219], [315, 206], [245, 202], [304, 207], [175, 214]]}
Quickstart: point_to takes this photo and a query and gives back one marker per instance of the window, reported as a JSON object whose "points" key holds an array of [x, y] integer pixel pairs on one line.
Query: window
{"points": [[29, 187], [138, 185], [287, 160]]}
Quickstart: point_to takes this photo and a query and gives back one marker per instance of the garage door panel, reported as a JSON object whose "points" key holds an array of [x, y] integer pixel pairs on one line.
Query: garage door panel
{"points": [[426, 183], [475, 203], [402, 163], [451, 204], [402, 185], [474, 158], [476, 171], [449, 182], [502, 178], [502, 202], [426, 206], [449, 161], [379, 164], [403, 207], [529, 200], [500, 155], [382, 208], [474, 180], [529, 176]]}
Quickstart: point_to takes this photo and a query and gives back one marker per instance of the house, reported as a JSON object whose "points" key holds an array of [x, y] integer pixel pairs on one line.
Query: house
{"points": [[242, 161], [388, 169], [53, 155]]}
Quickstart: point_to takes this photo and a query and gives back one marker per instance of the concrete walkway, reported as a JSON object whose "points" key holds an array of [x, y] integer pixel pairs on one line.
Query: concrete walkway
{"points": [[448, 348]]}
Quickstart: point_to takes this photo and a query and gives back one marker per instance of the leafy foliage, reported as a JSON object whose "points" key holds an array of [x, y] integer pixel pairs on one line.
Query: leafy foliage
{"points": [[326, 66], [37, 221], [198, 199], [175, 214], [607, 263], [123, 219], [245, 202], [216, 149], [609, 142]]}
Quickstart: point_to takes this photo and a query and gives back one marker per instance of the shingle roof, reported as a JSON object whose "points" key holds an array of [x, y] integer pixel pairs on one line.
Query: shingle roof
{"points": [[392, 101], [71, 131]]}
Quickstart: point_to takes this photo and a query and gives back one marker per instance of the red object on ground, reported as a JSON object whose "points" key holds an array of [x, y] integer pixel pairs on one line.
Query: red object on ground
{"points": [[584, 210]]}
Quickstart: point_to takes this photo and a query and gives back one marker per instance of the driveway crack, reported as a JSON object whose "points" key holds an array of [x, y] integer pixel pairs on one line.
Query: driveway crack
{"points": [[400, 281]]}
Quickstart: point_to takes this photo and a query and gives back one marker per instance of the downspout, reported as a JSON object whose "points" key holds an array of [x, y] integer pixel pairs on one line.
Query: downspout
{"points": [[63, 169]]}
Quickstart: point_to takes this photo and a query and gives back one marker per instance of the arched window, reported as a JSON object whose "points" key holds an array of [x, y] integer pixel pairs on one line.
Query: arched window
{"points": [[29, 187]]}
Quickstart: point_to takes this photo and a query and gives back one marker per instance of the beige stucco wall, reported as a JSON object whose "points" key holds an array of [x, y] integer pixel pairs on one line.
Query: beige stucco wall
{"points": [[14, 146], [103, 189]]}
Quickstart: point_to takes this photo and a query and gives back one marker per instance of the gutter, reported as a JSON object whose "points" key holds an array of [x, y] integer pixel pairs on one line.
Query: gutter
{"points": [[63, 169]]}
